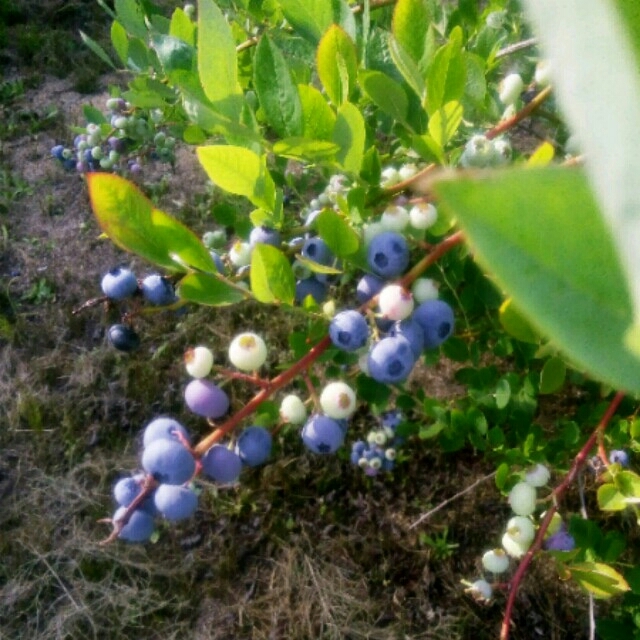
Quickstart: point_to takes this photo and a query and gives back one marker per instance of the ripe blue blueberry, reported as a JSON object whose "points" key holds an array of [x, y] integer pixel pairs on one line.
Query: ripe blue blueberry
{"points": [[368, 286], [437, 321], [310, 287], [620, 457], [123, 338], [391, 360], [158, 290], [119, 283], [322, 434], [138, 529], [349, 330], [175, 502], [168, 461], [388, 254], [562, 540], [57, 152], [165, 428], [412, 331], [264, 235], [254, 446], [316, 249], [221, 464]]}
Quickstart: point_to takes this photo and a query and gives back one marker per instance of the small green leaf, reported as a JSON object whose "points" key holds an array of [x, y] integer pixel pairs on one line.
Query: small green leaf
{"points": [[207, 289], [317, 116], [272, 278], [350, 135], [552, 375], [410, 21], [306, 150], [386, 93], [130, 15], [240, 171], [97, 49], [217, 60], [599, 579], [311, 18], [503, 393], [447, 78], [337, 64], [628, 483], [129, 219], [277, 94], [337, 233], [173, 53], [120, 41], [444, 123], [610, 499], [542, 156], [93, 115], [407, 68], [182, 27]]}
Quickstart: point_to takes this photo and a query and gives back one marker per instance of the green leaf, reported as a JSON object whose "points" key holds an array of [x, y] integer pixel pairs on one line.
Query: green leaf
{"points": [[595, 43], [337, 233], [386, 93], [515, 324], [350, 134], [120, 41], [207, 289], [407, 68], [129, 219], [97, 49], [311, 18], [447, 77], [272, 278], [277, 94], [240, 171], [317, 116], [304, 149], [130, 15], [628, 483], [599, 579], [444, 123], [217, 60], [182, 27], [173, 53], [410, 21], [503, 393], [93, 115], [561, 270], [137, 55], [553, 375], [337, 64]]}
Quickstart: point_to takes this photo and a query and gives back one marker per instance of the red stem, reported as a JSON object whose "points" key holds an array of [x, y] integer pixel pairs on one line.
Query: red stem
{"points": [[578, 462], [521, 115]]}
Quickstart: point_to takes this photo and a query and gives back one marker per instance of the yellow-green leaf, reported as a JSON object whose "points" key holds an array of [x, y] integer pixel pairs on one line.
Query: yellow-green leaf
{"points": [[206, 289], [610, 499], [337, 64], [599, 579]]}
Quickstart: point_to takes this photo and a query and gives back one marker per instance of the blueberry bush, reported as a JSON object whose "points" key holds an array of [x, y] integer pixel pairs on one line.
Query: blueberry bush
{"points": [[400, 182]]}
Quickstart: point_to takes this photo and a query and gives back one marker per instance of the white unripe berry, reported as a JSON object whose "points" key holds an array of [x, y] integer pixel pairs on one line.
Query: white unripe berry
{"points": [[292, 409], [375, 463], [338, 400], [389, 177], [424, 289], [247, 351], [512, 547], [381, 438], [522, 499], [395, 302], [371, 437], [537, 476], [495, 560], [543, 73], [481, 590], [390, 453], [198, 361], [240, 254], [521, 529], [511, 88], [394, 218], [407, 171], [423, 215]]}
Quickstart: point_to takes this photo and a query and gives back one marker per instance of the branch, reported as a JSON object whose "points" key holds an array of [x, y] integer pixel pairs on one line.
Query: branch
{"points": [[578, 463], [521, 115]]}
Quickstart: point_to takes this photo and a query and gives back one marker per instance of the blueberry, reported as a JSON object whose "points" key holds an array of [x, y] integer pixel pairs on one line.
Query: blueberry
{"points": [[316, 249], [412, 331], [254, 446], [391, 360], [560, 541], [322, 434], [388, 254], [158, 290], [264, 235], [119, 283], [437, 321], [57, 152], [349, 330], [310, 287], [620, 457], [368, 286], [123, 338]]}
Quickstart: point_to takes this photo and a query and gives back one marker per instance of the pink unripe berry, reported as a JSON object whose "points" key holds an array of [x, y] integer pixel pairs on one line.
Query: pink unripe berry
{"points": [[395, 302]]}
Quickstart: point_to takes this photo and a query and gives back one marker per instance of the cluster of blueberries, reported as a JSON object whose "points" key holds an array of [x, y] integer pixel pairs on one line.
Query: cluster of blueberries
{"points": [[121, 283], [119, 144], [377, 452]]}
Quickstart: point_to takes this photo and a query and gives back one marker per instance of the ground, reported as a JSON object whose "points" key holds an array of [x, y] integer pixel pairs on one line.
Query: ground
{"points": [[305, 547]]}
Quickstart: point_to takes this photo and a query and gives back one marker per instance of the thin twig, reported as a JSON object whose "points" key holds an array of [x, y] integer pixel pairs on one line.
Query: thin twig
{"points": [[443, 504], [517, 46], [525, 112]]}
